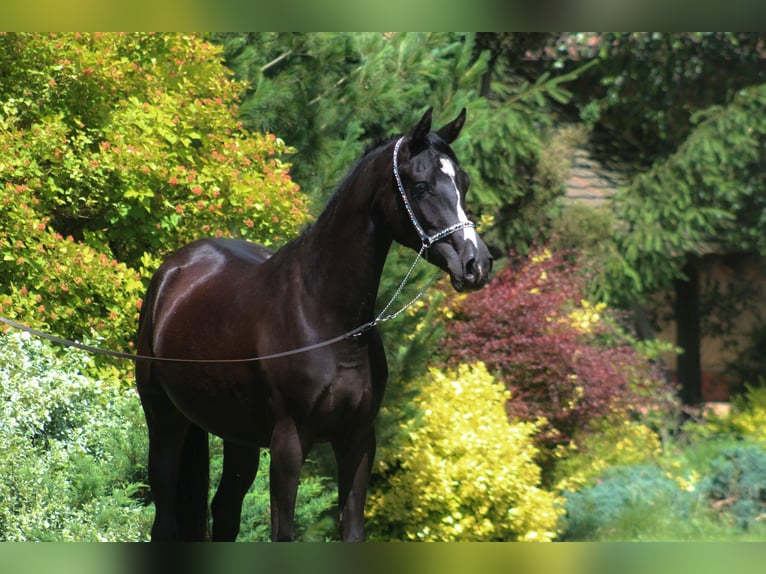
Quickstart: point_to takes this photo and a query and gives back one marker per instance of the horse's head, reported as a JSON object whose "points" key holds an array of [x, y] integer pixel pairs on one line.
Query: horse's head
{"points": [[430, 191]]}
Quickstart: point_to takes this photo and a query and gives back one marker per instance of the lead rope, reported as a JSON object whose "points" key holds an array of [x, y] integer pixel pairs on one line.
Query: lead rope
{"points": [[426, 242], [380, 318], [358, 331]]}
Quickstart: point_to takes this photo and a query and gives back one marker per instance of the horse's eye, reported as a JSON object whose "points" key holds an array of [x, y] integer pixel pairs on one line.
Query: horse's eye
{"points": [[421, 188]]}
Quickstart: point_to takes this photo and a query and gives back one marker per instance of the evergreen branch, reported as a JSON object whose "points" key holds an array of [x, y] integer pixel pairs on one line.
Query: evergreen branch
{"points": [[276, 60], [335, 86], [543, 84]]}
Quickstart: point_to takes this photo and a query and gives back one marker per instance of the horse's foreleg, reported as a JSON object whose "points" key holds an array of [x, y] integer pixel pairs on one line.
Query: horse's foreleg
{"points": [[354, 454], [287, 455], [240, 465]]}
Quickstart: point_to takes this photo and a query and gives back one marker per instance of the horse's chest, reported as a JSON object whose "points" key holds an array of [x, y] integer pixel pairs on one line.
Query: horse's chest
{"points": [[332, 397], [349, 391]]}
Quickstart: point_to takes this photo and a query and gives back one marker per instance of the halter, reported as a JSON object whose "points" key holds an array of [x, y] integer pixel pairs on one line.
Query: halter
{"points": [[426, 239]]}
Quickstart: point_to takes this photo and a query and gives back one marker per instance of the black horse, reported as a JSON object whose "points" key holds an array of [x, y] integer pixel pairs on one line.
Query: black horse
{"points": [[230, 299]]}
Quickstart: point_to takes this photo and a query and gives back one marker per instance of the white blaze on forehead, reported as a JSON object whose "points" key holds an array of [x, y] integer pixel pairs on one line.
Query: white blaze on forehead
{"points": [[469, 234]]}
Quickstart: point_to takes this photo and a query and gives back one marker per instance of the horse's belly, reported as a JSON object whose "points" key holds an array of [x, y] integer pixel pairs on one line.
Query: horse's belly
{"points": [[233, 410]]}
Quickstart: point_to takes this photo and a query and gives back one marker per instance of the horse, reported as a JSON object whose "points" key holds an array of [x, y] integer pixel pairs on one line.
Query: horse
{"points": [[220, 300]]}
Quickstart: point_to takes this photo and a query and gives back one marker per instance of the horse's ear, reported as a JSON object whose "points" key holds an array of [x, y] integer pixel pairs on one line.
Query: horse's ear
{"points": [[421, 130], [450, 132]]}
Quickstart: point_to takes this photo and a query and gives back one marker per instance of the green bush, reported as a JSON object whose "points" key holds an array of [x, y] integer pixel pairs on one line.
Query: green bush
{"points": [[116, 149], [73, 449], [747, 417], [627, 503], [74, 456], [736, 483], [606, 443]]}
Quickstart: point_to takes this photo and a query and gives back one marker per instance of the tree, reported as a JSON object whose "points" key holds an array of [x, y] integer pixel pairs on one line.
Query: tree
{"points": [[707, 197], [648, 85], [116, 149], [687, 110], [330, 95]]}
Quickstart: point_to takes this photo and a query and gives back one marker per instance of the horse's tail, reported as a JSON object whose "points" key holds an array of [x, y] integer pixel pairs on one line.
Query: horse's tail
{"points": [[144, 369], [145, 344], [193, 487]]}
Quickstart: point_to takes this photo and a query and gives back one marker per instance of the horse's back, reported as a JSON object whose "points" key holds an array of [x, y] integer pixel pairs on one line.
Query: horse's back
{"points": [[216, 251]]}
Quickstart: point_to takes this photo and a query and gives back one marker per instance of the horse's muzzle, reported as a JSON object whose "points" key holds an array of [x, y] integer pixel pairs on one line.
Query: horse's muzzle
{"points": [[470, 269], [476, 273]]}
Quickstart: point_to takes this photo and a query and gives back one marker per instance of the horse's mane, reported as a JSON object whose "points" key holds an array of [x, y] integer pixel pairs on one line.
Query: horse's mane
{"points": [[377, 143], [370, 149]]}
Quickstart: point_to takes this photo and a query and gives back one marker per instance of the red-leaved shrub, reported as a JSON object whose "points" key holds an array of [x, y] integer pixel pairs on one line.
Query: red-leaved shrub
{"points": [[561, 357]]}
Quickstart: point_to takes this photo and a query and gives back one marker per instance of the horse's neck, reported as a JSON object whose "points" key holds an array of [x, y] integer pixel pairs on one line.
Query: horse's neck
{"points": [[349, 248]]}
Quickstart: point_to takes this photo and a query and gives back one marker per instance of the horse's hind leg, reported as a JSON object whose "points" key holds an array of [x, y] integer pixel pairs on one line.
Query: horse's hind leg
{"points": [[240, 465], [165, 446], [288, 451], [168, 430], [193, 486]]}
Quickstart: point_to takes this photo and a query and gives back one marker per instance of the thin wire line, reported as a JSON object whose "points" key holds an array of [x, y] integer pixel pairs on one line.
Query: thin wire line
{"points": [[134, 357]]}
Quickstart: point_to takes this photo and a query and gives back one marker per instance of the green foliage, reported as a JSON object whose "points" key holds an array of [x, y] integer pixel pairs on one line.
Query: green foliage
{"points": [[606, 443], [705, 197], [128, 146], [737, 483], [523, 157], [685, 113], [648, 84], [353, 88], [704, 483], [329, 95], [646, 503], [461, 470], [747, 418], [66, 286], [74, 462], [627, 503], [589, 232], [73, 449]]}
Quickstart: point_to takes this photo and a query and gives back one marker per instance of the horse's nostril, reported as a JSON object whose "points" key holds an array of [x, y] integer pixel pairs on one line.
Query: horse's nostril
{"points": [[470, 267]]}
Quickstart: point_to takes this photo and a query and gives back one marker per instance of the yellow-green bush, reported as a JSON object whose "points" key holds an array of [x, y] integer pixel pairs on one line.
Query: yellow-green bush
{"points": [[116, 149], [607, 443], [747, 417], [461, 471]]}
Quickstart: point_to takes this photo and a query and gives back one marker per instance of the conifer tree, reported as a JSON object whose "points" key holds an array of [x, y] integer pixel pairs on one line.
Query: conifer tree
{"points": [[331, 95]]}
